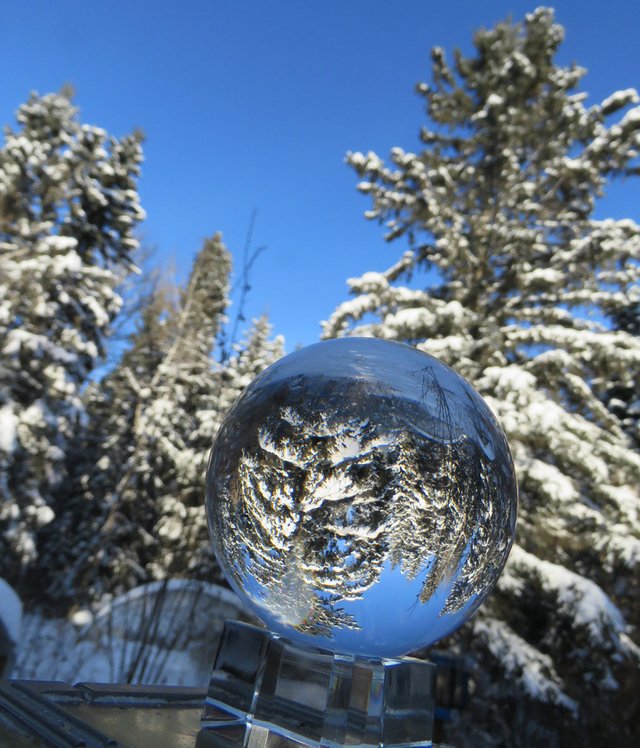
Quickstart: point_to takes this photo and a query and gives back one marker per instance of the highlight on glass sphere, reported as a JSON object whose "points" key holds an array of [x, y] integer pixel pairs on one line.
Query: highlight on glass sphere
{"points": [[361, 497]]}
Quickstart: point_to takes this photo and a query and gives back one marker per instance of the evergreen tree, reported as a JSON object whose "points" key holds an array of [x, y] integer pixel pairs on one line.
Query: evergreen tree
{"points": [[98, 456], [68, 210], [521, 290], [142, 510], [154, 419], [623, 396], [253, 354]]}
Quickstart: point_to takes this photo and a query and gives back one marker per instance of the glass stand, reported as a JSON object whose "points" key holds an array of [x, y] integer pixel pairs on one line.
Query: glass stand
{"points": [[266, 692]]}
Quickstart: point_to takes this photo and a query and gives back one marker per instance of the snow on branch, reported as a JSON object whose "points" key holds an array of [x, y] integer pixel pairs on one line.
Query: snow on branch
{"points": [[532, 670], [618, 100], [582, 601]]}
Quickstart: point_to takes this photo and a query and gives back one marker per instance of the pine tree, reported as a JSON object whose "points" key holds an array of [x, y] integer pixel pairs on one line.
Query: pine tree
{"points": [[68, 210], [521, 289]]}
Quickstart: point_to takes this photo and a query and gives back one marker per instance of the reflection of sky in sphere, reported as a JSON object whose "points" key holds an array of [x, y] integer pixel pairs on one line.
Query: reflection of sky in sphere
{"points": [[361, 497], [388, 618]]}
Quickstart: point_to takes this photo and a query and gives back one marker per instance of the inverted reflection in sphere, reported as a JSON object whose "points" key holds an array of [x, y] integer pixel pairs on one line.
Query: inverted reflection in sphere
{"points": [[361, 497]]}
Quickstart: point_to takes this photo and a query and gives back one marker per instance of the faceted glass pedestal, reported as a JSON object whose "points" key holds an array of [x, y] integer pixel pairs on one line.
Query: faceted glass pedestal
{"points": [[268, 693]]}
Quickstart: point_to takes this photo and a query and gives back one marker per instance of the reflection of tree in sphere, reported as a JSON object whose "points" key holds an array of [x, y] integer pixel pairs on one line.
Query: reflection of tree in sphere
{"points": [[361, 497]]}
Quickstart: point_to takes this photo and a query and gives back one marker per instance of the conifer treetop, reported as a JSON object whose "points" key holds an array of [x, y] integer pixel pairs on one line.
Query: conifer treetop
{"points": [[510, 278], [69, 208]]}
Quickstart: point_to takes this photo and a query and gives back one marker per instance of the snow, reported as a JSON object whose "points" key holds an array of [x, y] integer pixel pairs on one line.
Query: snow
{"points": [[282, 451], [626, 499], [10, 611], [585, 603], [8, 424], [67, 244], [170, 528], [623, 546], [43, 515], [32, 341], [408, 321], [619, 99], [370, 162], [357, 531], [291, 416], [370, 282], [81, 618], [162, 633], [67, 263], [552, 482], [631, 119], [345, 448], [332, 488], [100, 315], [528, 667]]}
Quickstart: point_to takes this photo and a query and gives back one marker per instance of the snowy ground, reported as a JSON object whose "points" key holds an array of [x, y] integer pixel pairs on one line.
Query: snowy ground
{"points": [[163, 633]]}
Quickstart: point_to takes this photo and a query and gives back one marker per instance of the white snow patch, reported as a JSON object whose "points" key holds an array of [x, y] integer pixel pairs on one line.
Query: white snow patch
{"points": [[624, 546], [60, 243], [170, 629], [20, 337], [553, 483], [44, 515], [34, 415], [332, 488], [583, 600], [81, 617], [99, 313], [620, 98], [67, 263], [364, 532], [347, 447], [546, 276], [626, 499], [170, 528], [291, 416], [524, 663], [8, 424], [282, 451], [631, 118]]}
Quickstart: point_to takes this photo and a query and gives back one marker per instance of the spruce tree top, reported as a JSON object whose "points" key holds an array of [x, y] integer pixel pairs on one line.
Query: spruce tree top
{"points": [[500, 199]]}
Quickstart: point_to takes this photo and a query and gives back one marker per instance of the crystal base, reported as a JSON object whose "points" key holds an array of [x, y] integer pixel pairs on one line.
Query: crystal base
{"points": [[266, 692]]}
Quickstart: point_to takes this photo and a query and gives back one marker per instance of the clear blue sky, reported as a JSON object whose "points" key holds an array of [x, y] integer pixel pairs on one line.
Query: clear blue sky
{"points": [[252, 105]]}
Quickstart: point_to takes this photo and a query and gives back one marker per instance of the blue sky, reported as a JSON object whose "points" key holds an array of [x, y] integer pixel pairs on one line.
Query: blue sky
{"points": [[251, 105]]}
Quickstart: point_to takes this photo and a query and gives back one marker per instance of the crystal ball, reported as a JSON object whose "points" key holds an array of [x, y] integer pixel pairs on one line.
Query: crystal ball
{"points": [[361, 497]]}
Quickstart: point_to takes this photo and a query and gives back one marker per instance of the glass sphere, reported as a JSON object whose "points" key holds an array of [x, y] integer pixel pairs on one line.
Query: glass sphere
{"points": [[361, 497]]}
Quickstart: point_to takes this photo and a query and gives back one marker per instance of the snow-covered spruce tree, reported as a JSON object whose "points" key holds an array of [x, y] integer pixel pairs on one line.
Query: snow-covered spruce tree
{"points": [[149, 508], [182, 528], [97, 458], [257, 350], [253, 354], [68, 209], [521, 290]]}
